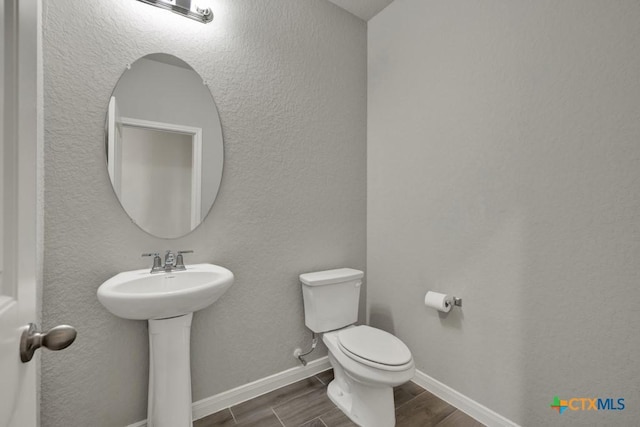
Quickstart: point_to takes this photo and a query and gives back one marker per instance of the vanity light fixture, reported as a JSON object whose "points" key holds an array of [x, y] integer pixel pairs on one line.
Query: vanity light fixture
{"points": [[184, 8]]}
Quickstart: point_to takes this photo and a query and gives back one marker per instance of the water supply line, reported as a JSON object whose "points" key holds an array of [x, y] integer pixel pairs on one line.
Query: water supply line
{"points": [[300, 355]]}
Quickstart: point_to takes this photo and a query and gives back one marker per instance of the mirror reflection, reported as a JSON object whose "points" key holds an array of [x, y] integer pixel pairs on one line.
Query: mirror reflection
{"points": [[164, 145]]}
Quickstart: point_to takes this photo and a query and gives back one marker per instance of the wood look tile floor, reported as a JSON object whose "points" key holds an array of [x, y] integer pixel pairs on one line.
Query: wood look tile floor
{"points": [[305, 404]]}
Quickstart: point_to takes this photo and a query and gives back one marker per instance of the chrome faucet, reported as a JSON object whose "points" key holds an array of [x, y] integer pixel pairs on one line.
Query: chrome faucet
{"points": [[171, 262]]}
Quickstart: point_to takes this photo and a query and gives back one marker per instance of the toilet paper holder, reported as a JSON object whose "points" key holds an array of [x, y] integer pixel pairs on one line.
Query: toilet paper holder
{"points": [[441, 302], [456, 302]]}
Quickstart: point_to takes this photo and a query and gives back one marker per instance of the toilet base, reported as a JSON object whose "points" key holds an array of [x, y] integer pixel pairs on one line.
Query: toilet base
{"points": [[365, 404], [367, 407], [341, 399]]}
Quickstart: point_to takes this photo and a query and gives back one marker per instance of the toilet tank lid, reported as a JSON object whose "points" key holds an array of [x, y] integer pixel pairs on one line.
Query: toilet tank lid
{"points": [[329, 277]]}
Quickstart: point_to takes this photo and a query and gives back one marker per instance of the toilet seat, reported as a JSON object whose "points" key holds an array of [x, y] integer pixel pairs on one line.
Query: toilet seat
{"points": [[374, 347]]}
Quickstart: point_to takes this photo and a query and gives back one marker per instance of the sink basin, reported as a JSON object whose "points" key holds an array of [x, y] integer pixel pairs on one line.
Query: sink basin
{"points": [[141, 295]]}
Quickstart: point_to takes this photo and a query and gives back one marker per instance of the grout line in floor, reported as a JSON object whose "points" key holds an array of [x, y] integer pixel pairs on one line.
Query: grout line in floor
{"points": [[448, 416], [279, 403], [318, 378], [462, 412], [410, 400], [233, 416], [296, 397], [317, 418], [274, 413], [326, 413]]}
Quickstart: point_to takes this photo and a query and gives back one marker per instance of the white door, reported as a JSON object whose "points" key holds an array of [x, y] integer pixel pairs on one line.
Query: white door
{"points": [[18, 206]]}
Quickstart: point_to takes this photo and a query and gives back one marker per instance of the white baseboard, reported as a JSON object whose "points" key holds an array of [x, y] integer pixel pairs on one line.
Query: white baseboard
{"points": [[465, 404], [213, 404]]}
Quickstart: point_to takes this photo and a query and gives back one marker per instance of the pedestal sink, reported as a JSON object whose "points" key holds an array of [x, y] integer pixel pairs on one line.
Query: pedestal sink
{"points": [[167, 301]]}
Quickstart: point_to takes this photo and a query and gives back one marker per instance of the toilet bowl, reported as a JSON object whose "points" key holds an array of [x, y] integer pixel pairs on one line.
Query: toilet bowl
{"points": [[367, 362]]}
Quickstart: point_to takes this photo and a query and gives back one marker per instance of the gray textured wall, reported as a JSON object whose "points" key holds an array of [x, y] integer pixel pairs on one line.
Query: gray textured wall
{"points": [[503, 154], [289, 79]]}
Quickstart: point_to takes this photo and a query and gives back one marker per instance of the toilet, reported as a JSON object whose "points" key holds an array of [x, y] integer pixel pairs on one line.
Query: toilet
{"points": [[367, 362]]}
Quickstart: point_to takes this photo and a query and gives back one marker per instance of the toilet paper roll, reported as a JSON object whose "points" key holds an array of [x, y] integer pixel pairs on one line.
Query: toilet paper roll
{"points": [[440, 302]]}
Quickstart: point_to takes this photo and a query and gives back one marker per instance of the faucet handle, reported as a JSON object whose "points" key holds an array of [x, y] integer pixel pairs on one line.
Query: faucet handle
{"points": [[157, 261], [180, 260]]}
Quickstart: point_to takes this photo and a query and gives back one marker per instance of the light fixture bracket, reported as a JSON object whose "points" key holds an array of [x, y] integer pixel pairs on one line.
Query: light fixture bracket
{"points": [[183, 8]]}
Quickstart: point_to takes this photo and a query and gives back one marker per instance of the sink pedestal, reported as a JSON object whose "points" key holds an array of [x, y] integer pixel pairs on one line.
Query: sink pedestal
{"points": [[170, 372], [163, 299]]}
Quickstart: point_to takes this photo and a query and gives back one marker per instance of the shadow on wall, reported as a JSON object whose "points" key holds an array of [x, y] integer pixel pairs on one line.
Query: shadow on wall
{"points": [[380, 317], [452, 319]]}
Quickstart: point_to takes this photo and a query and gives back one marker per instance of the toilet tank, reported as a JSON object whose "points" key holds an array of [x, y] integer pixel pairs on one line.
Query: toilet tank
{"points": [[331, 298]]}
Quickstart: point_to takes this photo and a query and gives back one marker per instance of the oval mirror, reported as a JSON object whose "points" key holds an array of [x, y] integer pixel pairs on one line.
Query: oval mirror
{"points": [[164, 145]]}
